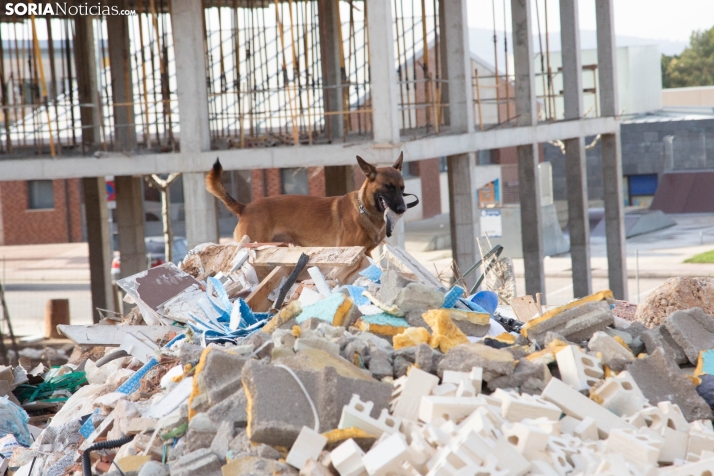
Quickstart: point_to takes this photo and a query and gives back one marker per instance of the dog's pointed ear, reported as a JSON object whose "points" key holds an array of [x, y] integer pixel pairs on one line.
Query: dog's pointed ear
{"points": [[398, 164], [370, 171]]}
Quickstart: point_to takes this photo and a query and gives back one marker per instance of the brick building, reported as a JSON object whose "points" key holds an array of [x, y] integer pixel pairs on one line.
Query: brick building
{"points": [[40, 211]]}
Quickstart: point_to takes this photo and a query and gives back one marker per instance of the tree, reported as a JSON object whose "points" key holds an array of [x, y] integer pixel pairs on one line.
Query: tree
{"points": [[695, 66]]}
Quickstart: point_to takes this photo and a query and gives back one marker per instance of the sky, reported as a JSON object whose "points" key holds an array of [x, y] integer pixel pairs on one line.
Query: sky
{"points": [[653, 19]]}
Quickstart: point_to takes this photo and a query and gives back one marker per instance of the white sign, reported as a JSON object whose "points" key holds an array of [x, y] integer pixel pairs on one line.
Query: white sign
{"points": [[490, 223]]}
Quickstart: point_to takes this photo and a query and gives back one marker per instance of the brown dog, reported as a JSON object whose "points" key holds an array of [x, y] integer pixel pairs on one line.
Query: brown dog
{"points": [[355, 219]]}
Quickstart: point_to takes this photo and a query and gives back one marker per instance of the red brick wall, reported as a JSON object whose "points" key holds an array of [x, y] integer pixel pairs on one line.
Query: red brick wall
{"points": [[24, 226], [273, 182], [430, 187], [316, 181]]}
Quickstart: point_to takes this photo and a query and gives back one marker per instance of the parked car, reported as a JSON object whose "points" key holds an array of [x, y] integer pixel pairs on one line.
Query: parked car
{"points": [[155, 253]]}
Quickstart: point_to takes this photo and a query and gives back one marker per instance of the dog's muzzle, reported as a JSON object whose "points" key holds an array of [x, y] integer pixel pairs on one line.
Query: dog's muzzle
{"points": [[391, 217]]}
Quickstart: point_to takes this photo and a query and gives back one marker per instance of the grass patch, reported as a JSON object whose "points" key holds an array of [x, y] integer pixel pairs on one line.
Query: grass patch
{"points": [[706, 257]]}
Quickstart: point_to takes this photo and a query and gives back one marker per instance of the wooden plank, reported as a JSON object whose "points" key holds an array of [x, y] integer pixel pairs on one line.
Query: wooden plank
{"points": [[348, 274], [322, 257], [525, 308], [258, 300], [112, 335]]}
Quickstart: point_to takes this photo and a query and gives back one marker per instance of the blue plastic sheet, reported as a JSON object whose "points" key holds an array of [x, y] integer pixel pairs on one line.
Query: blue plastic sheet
{"points": [[13, 421]]}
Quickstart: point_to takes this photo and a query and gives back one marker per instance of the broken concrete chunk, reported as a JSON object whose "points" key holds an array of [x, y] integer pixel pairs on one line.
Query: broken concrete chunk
{"points": [[575, 322], [232, 409], [464, 357], [693, 330], [537, 376], [614, 354], [278, 408], [202, 462], [660, 379], [659, 336], [392, 284], [416, 296], [220, 377]]}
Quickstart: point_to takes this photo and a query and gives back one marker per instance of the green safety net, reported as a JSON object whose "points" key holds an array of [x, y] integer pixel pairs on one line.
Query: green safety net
{"points": [[55, 389]]}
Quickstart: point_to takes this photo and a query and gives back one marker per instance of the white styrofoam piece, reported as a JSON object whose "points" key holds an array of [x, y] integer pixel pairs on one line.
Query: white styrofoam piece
{"points": [[322, 286]]}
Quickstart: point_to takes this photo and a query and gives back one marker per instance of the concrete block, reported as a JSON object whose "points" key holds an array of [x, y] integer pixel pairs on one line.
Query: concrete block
{"points": [[315, 468], [392, 284], [693, 330], [318, 343], [528, 440], [660, 379], [232, 409], [516, 408], [576, 321], [202, 462], [224, 435], [220, 377], [308, 445], [389, 456], [418, 296], [450, 408], [445, 390], [357, 415], [347, 459], [636, 447], [409, 390], [525, 374], [674, 447], [585, 429], [578, 369], [509, 459], [577, 405], [614, 354], [660, 337], [701, 468], [494, 362], [621, 395], [485, 421], [278, 408], [701, 439]]}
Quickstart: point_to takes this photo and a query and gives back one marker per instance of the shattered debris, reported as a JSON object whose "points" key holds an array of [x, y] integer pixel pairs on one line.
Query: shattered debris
{"points": [[262, 358]]}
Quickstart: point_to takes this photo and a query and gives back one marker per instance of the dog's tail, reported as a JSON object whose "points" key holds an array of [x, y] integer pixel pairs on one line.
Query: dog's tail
{"points": [[214, 184]]}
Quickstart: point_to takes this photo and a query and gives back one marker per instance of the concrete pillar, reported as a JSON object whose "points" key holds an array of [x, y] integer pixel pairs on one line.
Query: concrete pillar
{"points": [[383, 72], [200, 207], [463, 212], [526, 115], [461, 168], [120, 67], [99, 241], [611, 154], [575, 163], [86, 65], [332, 73], [129, 216]]}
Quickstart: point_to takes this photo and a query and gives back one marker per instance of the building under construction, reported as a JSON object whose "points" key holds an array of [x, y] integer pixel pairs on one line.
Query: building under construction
{"points": [[285, 84]]}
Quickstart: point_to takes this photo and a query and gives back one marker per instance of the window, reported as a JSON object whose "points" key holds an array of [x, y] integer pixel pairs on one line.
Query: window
{"points": [[443, 164], [294, 181], [40, 194]]}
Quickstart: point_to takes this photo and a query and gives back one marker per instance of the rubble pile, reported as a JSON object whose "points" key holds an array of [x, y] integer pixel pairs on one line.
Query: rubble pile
{"points": [[264, 359]]}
